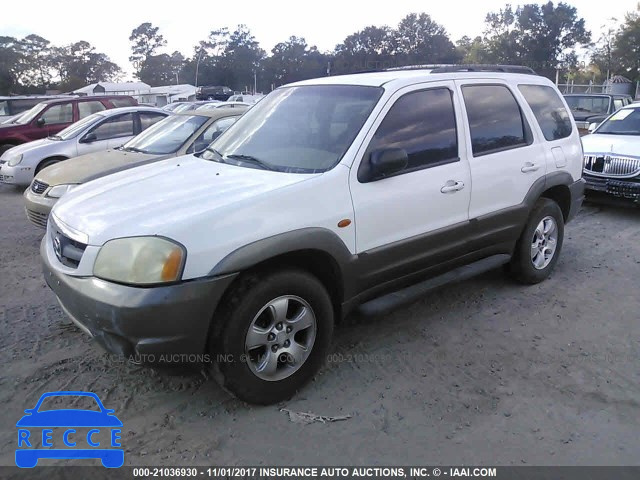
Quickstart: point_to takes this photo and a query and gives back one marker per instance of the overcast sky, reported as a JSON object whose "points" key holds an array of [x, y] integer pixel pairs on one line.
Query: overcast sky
{"points": [[324, 23]]}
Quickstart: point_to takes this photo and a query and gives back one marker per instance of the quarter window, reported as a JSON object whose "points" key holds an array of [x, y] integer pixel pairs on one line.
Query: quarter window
{"points": [[424, 125], [495, 119], [87, 108], [549, 111], [120, 126], [57, 114]]}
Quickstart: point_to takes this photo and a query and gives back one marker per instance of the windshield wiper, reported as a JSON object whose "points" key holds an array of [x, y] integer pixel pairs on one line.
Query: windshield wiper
{"points": [[215, 152], [55, 137], [134, 149], [252, 159]]}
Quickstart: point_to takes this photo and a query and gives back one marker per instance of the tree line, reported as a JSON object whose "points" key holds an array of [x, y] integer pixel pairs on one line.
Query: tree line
{"points": [[545, 37]]}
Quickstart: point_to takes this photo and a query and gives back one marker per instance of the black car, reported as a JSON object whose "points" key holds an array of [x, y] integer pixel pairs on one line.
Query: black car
{"points": [[213, 93], [593, 108]]}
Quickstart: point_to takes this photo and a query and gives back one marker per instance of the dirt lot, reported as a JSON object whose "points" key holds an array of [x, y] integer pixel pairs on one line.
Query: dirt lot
{"points": [[481, 372]]}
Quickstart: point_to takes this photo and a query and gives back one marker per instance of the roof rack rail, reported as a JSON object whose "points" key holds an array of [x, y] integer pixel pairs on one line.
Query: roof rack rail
{"points": [[444, 68]]}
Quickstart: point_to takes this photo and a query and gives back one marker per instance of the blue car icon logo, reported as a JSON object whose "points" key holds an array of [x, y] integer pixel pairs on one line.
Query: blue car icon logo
{"points": [[84, 433]]}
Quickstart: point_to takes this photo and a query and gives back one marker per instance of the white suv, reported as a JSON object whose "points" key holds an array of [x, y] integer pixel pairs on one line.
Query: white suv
{"points": [[326, 194]]}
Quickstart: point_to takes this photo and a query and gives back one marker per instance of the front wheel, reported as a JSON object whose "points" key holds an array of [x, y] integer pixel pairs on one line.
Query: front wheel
{"points": [[539, 246], [274, 333]]}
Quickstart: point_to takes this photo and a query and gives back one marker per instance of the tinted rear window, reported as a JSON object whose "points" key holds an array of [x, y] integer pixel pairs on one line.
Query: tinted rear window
{"points": [[495, 120], [549, 111]]}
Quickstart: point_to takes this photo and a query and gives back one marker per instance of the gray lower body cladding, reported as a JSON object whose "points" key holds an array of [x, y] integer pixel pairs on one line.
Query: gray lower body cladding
{"points": [[139, 321]]}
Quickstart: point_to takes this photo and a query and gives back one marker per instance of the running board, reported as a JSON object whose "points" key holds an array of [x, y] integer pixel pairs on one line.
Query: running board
{"points": [[407, 295]]}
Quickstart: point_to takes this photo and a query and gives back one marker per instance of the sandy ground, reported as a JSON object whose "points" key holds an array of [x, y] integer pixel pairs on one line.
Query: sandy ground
{"points": [[481, 372]]}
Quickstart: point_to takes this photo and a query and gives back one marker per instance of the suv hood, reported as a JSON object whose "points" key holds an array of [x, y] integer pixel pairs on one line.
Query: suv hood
{"points": [[93, 165], [165, 197], [603, 143]]}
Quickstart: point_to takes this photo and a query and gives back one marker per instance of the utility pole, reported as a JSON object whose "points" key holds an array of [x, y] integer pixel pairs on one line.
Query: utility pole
{"points": [[197, 65]]}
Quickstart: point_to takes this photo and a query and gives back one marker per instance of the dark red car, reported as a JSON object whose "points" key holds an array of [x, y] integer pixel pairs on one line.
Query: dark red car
{"points": [[51, 116]]}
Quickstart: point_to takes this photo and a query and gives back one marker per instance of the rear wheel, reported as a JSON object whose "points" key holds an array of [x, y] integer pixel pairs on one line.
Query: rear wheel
{"points": [[274, 333], [539, 246]]}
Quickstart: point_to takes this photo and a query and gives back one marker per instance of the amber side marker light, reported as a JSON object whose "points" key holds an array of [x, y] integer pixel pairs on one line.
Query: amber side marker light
{"points": [[344, 223], [171, 267]]}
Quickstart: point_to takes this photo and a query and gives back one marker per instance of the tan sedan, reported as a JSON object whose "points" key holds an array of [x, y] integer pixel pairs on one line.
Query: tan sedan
{"points": [[179, 134]]}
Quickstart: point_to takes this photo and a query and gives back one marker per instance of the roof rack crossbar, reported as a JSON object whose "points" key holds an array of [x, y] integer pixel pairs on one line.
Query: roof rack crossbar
{"points": [[440, 68]]}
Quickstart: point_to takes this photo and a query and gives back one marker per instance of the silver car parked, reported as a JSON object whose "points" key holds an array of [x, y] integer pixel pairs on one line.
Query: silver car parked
{"points": [[100, 131]]}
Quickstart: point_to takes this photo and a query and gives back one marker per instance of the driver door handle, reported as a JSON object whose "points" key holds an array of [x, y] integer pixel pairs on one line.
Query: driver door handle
{"points": [[529, 167], [452, 186]]}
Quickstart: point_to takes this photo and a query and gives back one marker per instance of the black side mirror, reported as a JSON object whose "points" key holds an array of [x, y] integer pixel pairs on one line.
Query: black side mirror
{"points": [[89, 137], [382, 163], [40, 122]]}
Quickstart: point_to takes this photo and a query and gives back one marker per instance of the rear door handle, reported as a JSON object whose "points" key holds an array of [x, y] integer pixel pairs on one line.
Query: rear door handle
{"points": [[452, 186], [530, 167]]}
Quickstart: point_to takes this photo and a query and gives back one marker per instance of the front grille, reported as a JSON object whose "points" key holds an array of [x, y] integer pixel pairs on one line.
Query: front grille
{"points": [[37, 218], [612, 165], [38, 187], [68, 251]]}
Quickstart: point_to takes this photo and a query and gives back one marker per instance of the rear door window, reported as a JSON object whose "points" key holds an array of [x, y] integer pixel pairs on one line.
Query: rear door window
{"points": [[119, 126], [553, 118], [495, 120], [149, 118]]}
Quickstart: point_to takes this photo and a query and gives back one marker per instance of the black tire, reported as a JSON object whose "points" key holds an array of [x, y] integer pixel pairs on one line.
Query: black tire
{"points": [[44, 164], [5, 147], [521, 266], [236, 314]]}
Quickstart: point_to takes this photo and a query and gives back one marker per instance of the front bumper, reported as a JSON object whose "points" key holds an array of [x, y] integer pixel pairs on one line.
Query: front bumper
{"points": [[140, 322], [38, 207], [576, 190], [17, 175], [622, 188]]}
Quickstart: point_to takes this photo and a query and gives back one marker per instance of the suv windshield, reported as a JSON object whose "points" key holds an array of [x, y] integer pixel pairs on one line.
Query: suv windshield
{"points": [[304, 129], [623, 122], [588, 104], [166, 136], [30, 114], [78, 127]]}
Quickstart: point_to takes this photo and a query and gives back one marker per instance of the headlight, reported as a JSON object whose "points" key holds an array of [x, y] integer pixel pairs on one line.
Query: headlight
{"points": [[60, 190], [15, 160], [140, 260]]}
